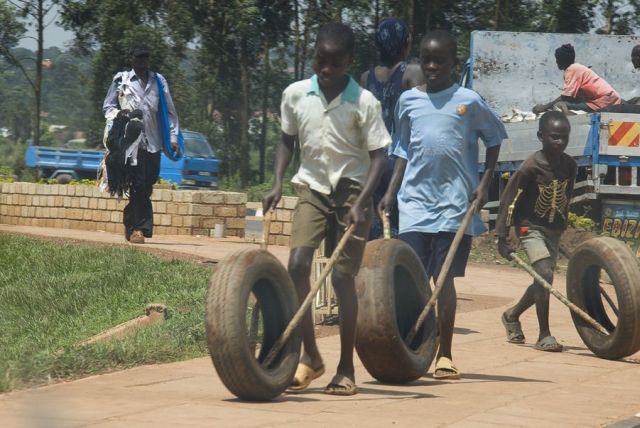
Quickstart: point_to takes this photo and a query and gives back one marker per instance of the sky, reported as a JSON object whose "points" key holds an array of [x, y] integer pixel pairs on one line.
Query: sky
{"points": [[54, 35]]}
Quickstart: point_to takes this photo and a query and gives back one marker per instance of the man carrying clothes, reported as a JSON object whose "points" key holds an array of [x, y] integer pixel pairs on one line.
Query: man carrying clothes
{"points": [[140, 89], [386, 82], [583, 88]]}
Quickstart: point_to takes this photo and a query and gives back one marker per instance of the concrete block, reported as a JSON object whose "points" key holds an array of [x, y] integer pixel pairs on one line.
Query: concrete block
{"points": [[84, 202], [203, 210], [186, 196], [176, 220], [160, 207], [282, 240], [102, 204], [87, 215], [215, 198], [105, 216], [289, 202], [116, 217], [276, 227], [112, 204], [286, 228], [242, 210], [226, 211], [235, 223], [93, 203], [185, 209], [283, 215], [235, 198], [172, 208], [165, 219]]}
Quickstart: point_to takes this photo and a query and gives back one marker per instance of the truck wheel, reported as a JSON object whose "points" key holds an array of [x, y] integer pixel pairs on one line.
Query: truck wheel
{"points": [[586, 265], [64, 178], [237, 348], [392, 291]]}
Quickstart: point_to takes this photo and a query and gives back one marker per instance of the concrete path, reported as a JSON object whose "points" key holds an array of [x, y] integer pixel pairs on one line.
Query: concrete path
{"points": [[502, 385]]}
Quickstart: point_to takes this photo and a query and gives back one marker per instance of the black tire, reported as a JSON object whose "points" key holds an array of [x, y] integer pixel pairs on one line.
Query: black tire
{"points": [[583, 276], [392, 291], [238, 275]]}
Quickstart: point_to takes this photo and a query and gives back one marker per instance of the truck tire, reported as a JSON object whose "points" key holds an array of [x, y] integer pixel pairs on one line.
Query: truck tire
{"points": [[583, 289], [64, 178], [392, 291], [259, 272]]}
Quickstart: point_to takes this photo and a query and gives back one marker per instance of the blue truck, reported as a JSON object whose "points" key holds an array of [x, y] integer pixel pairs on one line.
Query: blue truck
{"points": [[513, 71], [197, 169]]}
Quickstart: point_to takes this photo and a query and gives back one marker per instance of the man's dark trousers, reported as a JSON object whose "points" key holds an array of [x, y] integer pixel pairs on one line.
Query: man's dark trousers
{"points": [[138, 214]]}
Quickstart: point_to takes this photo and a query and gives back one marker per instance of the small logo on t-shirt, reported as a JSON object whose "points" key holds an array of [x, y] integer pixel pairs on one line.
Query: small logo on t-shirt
{"points": [[461, 109]]}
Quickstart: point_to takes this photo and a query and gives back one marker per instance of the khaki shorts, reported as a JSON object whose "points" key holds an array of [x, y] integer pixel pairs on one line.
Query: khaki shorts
{"points": [[541, 245], [318, 217]]}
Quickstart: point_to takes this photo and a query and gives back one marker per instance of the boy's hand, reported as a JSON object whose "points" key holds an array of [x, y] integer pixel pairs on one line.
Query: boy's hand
{"points": [[538, 108], [271, 199], [482, 195], [504, 248], [387, 203], [355, 216]]}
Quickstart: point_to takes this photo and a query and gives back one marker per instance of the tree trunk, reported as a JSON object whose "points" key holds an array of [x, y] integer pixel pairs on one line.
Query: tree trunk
{"points": [[609, 11], [38, 82], [265, 106], [244, 114], [296, 26]]}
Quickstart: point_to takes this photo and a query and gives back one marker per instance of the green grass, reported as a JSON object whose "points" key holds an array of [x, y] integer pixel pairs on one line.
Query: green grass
{"points": [[54, 295]]}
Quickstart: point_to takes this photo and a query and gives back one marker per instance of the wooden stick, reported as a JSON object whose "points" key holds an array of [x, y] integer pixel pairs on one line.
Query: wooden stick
{"points": [[444, 272], [309, 299], [582, 314], [386, 225], [266, 225]]}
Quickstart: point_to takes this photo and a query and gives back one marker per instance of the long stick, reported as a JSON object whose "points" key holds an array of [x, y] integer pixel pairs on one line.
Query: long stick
{"points": [[307, 301], [609, 300], [444, 272], [386, 225], [266, 225], [582, 314]]}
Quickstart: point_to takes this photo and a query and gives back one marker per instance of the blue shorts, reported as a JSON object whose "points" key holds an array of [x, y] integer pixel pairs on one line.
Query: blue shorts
{"points": [[432, 249]]}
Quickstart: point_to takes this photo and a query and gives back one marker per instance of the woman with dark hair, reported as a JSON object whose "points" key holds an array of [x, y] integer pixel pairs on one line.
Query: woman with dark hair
{"points": [[387, 81]]}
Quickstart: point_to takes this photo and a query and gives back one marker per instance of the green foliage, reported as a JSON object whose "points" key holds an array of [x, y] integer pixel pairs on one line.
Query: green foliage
{"points": [[56, 295], [83, 182], [581, 222]]}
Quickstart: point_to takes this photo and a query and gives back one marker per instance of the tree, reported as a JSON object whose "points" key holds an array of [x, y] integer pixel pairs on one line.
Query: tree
{"points": [[37, 12], [574, 16]]}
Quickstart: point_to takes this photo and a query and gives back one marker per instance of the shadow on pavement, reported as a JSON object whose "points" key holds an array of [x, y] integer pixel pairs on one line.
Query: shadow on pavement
{"points": [[364, 394], [464, 331]]}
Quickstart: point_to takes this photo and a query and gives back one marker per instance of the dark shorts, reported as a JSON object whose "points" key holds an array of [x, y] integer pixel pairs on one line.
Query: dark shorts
{"points": [[432, 249], [318, 217]]}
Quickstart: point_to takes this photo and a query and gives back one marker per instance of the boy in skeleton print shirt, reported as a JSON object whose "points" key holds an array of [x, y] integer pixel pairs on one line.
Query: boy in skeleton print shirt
{"points": [[536, 203]]}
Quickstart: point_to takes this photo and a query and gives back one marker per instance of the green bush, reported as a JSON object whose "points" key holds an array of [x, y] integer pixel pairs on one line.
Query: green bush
{"points": [[581, 222]]}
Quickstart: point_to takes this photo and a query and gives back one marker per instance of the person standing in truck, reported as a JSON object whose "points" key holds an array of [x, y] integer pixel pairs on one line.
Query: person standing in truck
{"points": [[583, 89], [141, 89], [386, 82]]}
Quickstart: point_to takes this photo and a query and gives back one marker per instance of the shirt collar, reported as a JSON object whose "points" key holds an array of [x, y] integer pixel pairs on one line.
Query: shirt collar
{"points": [[351, 93]]}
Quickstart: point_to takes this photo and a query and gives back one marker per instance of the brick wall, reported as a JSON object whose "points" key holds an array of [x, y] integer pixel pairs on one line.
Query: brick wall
{"points": [[176, 212], [281, 221]]}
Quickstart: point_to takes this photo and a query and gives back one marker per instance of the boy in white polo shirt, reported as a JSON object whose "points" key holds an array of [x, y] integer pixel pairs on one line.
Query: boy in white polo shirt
{"points": [[342, 144]]}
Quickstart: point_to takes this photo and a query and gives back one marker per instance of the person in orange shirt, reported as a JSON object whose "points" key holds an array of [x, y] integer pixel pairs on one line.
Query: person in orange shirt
{"points": [[583, 88]]}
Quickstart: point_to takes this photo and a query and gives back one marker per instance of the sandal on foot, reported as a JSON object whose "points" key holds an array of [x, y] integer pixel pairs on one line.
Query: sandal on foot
{"points": [[548, 344], [341, 385], [514, 330], [304, 375], [445, 370]]}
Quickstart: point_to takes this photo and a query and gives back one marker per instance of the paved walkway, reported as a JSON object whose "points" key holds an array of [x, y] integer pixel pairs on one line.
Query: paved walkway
{"points": [[502, 385]]}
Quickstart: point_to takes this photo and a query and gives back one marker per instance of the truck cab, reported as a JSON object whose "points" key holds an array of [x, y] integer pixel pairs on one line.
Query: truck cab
{"points": [[198, 168], [514, 71]]}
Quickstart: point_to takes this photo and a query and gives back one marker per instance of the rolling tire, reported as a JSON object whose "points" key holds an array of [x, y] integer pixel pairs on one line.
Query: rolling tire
{"points": [[392, 291], [583, 275], [226, 320]]}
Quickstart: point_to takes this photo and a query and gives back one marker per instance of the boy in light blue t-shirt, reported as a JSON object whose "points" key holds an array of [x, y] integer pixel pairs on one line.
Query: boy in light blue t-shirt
{"points": [[438, 126]]}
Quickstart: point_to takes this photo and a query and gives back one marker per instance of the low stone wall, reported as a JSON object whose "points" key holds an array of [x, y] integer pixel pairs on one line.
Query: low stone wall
{"points": [[176, 212], [281, 221]]}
